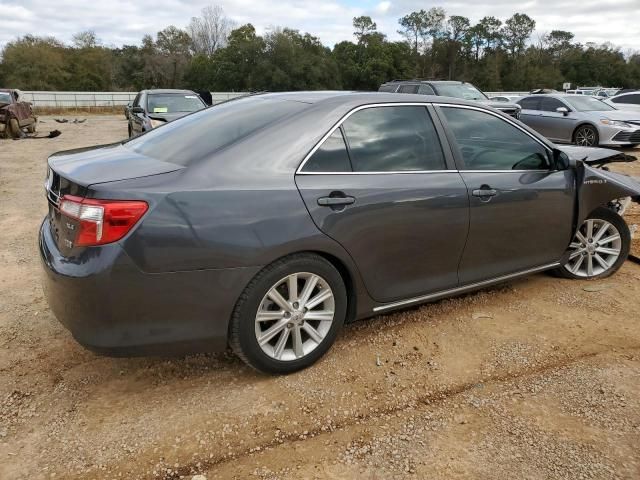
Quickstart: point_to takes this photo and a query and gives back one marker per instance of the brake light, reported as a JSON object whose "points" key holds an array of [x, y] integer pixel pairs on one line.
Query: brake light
{"points": [[102, 221]]}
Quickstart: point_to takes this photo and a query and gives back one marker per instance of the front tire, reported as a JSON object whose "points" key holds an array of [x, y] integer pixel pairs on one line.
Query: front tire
{"points": [[599, 248], [586, 136], [289, 315]]}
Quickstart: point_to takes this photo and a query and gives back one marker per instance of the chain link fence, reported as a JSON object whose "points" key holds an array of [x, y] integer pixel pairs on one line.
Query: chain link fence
{"points": [[97, 99]]}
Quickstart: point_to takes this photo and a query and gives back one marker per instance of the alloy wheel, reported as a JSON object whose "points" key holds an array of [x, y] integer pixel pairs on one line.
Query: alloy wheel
{"points": [[294, 316], [595, 248], [586, 137]]}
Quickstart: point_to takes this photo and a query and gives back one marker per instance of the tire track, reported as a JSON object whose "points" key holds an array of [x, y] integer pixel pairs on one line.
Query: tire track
{"points": [[427, 400]]}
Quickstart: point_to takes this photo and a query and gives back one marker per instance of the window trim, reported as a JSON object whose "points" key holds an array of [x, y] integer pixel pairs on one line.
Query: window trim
{"points": [[457, 154], [434, 118]]}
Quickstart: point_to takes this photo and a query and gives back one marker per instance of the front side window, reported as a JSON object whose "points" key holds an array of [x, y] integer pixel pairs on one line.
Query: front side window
{"points": [[332, 156], [136, 102], [635, 99], [487, 142], [5, 98], [550, 104], [398, 138]]}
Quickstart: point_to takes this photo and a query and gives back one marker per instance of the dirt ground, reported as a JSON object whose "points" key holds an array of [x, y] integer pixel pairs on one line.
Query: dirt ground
{"points": [[536, 379]]}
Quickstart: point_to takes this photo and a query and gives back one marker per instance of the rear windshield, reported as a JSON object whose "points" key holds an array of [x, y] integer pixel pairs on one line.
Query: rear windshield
{"points": [[587, 104], [173, 103], [195, 136], [387, 88]]}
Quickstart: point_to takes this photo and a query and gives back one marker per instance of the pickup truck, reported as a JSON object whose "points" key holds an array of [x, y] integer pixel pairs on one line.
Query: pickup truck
{"points": [[16, 116]]}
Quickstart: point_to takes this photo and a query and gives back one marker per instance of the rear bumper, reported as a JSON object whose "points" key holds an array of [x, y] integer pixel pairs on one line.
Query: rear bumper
{"points": [[113, 308]]}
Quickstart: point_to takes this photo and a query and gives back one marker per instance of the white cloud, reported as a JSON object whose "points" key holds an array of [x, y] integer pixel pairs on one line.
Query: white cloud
{"points": [[117, 22]]}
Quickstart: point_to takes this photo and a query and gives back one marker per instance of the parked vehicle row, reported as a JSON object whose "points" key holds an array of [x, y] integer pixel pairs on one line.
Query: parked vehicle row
{"points": [[267, 222]]}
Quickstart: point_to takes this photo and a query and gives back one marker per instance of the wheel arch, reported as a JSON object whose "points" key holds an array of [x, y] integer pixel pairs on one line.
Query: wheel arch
{"points": [[348, 276], [584, 123]]}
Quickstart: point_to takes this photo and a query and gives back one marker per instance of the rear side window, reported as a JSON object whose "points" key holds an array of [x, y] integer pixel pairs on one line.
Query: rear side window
{"points": [[487, 142], [332, 156], [530, 103], [408, 89], [384, 139], [195, 136]]}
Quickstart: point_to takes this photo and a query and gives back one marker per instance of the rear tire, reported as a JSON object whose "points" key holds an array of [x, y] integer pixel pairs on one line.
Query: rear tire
{"points": [[599, 248], [289, 315], [586, 136]]}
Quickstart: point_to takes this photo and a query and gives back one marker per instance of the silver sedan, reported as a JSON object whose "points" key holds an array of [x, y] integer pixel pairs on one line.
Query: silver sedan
{"points": [[580, 119]]}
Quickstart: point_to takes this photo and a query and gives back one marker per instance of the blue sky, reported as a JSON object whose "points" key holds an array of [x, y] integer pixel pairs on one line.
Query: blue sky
{"points": [[122, 21]]}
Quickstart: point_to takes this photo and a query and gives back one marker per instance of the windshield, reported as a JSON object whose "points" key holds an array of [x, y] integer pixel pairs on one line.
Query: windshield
{"points": [[173, 103], [465, 91], [587, 104], [195, 136], [5, 98]]}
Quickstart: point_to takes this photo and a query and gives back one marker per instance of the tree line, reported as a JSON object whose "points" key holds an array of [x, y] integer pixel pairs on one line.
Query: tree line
{"points": [[212, 53]]}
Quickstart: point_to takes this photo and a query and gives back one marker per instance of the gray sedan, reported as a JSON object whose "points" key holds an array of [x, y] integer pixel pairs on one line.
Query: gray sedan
{"points": [[580, 119], [266, 223]]}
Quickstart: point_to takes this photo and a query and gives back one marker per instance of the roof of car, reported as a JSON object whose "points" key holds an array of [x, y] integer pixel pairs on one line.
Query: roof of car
{"points": [[169, 90], [418, 80], [354, 99]]}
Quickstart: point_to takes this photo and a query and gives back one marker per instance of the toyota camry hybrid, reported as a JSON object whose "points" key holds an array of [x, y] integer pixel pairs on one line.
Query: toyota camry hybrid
{"points": [[267, 222]]}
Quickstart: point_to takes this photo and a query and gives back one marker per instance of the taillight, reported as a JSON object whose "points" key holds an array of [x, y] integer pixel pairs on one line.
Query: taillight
{"points": [[102, 221]]}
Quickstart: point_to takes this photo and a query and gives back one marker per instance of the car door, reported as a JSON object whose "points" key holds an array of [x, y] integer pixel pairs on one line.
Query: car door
{"points": [[521, 208], [382, 185], [530, 114], [554, 125]]}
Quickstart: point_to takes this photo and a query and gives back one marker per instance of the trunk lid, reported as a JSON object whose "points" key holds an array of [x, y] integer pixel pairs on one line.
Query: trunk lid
{"points": [[108, 163]]}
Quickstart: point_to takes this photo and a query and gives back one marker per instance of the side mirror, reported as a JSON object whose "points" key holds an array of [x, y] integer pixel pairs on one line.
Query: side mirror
{"points": [[137, 110], [561, 160], [563, 110]]}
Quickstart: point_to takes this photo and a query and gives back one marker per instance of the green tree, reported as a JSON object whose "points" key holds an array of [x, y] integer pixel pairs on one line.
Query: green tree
{"points": [[516, 31]]}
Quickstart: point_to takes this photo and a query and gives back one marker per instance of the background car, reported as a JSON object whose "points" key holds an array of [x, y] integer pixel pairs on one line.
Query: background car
{"points": [[267, 222], [625, 101], [580, 119], [506, 98], [448, 88], [153, 108], [127, 110], [16, 116]]}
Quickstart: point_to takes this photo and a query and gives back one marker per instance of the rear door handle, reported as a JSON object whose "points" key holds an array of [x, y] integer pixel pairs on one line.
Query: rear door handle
{"points": [[335, 201], [484, 192]]}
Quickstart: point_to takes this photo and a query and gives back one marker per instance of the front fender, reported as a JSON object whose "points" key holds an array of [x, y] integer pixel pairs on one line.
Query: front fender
{"points": [[596, 187]]}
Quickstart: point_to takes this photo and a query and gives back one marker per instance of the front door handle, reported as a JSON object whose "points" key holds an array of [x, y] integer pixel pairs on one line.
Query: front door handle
{"points": [[484, 192], [335, 201]]}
